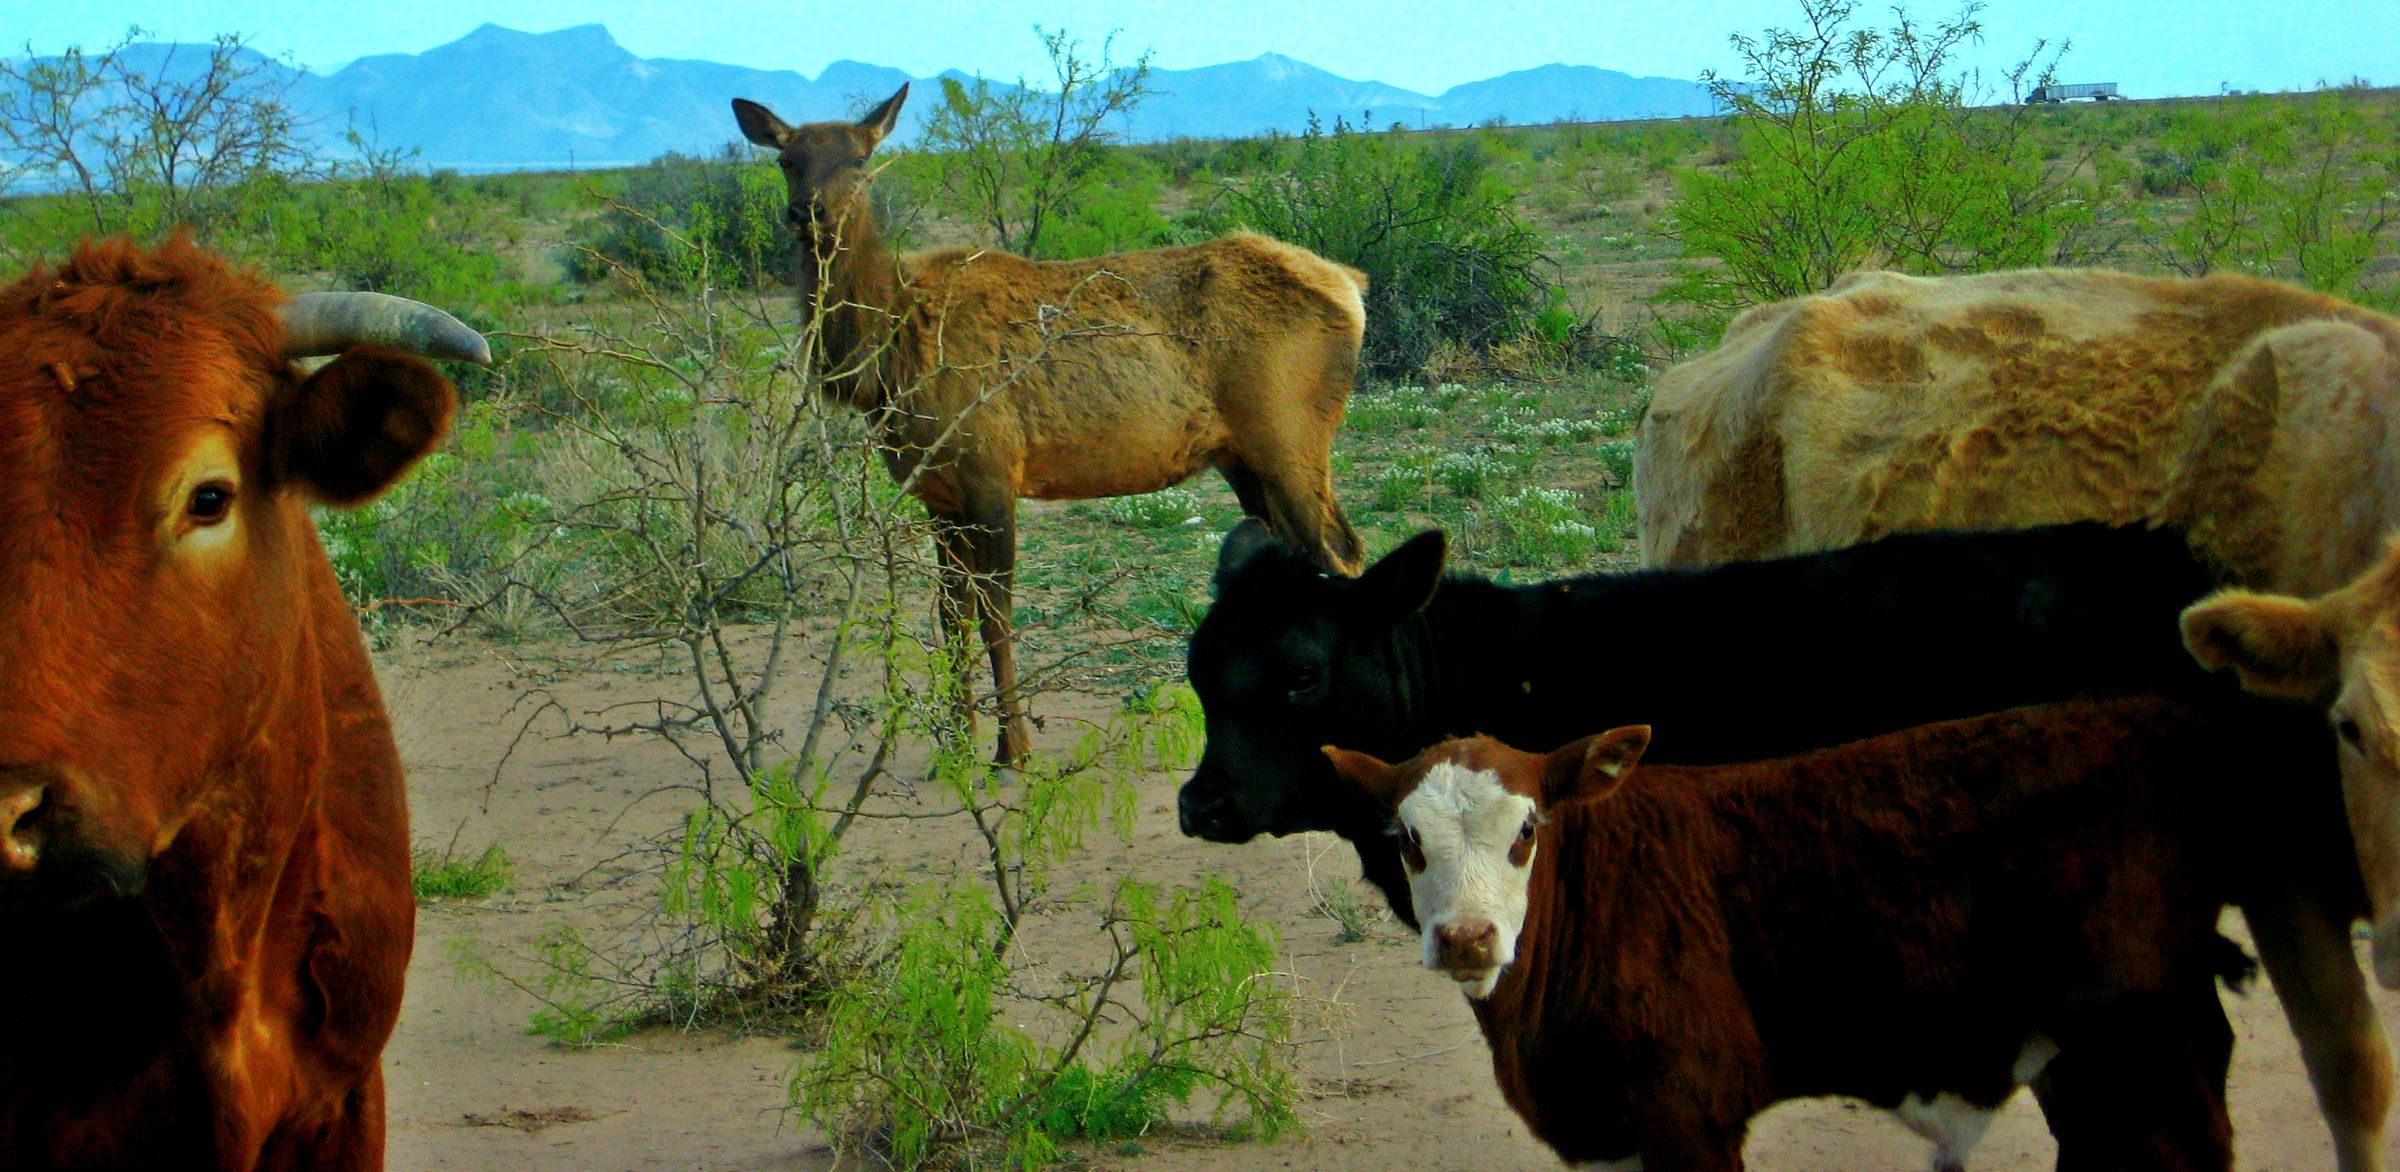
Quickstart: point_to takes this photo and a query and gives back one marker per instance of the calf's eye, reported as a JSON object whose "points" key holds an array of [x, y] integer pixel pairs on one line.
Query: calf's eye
{"points": [[210, 504]]}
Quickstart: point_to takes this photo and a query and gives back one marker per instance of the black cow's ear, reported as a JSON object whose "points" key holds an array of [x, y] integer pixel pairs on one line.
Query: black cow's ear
{"points": [[352, 429], [1249, 538], [1404, 581]]}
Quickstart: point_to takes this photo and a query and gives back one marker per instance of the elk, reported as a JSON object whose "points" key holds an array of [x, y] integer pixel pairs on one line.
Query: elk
{"points": [[988, 377]]}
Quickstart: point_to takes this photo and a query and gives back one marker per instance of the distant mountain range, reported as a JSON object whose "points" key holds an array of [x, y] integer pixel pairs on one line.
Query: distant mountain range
{"points": [[499, 99]]}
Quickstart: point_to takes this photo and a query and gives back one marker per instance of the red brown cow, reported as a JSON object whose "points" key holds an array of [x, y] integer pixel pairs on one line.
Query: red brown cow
{"points": [[1925, 920], [204, 871]]}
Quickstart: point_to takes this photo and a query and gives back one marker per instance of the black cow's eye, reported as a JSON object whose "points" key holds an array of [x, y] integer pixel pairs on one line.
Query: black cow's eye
{"points": [[1305, 681], [210, 504]]}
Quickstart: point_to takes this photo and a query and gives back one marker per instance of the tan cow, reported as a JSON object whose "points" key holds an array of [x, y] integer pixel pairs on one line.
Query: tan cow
{"points": [[2257, 417]]}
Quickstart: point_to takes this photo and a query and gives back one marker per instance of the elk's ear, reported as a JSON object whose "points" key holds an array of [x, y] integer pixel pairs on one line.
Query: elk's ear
{"points": [[1594, 765], [2278, 645], [879, 121], [1403, 581], [760, 125], [1364, 772], [1250, 537], [352, 429]]}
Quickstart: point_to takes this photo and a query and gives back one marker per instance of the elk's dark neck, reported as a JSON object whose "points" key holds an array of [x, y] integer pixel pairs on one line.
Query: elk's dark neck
{"points": [[850, 277]]}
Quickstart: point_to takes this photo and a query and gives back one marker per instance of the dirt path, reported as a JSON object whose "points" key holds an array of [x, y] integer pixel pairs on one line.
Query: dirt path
{"points": [[1397, 1072]]}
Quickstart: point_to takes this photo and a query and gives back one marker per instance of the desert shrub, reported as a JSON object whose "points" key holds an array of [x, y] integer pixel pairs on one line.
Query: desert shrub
{"points": [[677, 210], [2307, 190], [922, 1063], [705, 506], [1854, 146], [446, 875], [1438, 236], [1024, 161]]}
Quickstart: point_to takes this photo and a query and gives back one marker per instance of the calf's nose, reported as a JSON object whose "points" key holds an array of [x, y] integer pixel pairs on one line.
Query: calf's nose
{"points": [[1466, 945], [20, 826]]}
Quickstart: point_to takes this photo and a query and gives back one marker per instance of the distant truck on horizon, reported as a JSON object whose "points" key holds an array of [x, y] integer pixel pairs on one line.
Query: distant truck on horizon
{"points": [[2098, 91]]}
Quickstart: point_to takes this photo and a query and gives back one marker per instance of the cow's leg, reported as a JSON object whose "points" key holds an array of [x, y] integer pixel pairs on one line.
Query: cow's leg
{"points": [[979, 553], [2141, 1085], [2308, 957]]}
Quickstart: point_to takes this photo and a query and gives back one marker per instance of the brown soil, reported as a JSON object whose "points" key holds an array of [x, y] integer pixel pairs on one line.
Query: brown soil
{"points": [[1397, 1074]]}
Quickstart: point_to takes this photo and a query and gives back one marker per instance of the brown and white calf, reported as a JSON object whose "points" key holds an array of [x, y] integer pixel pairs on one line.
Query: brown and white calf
{"points": [[1923, 920]]}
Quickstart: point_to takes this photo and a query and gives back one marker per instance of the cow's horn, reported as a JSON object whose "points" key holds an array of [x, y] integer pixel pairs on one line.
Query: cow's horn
{"points": [[317, 324]]}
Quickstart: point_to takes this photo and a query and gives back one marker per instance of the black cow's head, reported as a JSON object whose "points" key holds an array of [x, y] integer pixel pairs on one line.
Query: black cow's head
{"points": [[1288, 660]]}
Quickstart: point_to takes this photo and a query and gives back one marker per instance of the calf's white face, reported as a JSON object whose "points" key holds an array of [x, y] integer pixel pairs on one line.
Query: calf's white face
{"points": [[1467, 814], [1469, 845]]}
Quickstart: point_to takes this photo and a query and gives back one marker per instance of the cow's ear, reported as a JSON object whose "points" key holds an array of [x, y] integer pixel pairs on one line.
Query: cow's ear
{"points": [[1404, 581], [351, 430], [1594, 765], [1363, 771], [760, 125], [1250, 537], [2278, 645]]}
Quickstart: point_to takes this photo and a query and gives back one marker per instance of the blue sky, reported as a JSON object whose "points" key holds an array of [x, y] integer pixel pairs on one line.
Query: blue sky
{"points": [[2201, 46]]}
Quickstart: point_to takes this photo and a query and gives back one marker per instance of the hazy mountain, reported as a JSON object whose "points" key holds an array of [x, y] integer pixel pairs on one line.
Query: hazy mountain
{"points": [[502, 99]]}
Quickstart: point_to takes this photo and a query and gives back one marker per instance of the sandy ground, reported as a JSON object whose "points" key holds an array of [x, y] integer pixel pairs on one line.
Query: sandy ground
{"points": [[1397, 1074]]}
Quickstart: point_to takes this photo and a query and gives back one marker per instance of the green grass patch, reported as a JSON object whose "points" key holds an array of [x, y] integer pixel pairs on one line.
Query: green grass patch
{"points": [[439, 876]]}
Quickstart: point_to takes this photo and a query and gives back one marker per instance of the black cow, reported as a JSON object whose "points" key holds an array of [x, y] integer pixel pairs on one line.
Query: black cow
{"points": [[1728, 663]]}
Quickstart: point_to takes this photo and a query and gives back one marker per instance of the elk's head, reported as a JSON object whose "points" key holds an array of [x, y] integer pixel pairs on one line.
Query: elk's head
{"points": [[824, 164]]}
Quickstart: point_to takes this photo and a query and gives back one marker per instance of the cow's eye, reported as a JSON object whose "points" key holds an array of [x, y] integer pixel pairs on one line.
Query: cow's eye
{"points": [[210, 504], [2347, 729], [1305, 681], [1525, 832]]}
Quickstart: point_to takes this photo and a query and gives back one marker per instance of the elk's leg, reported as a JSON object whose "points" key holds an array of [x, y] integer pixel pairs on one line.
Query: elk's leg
{"points": [[2308, 958], [1294, 484], [1247, 488], [979, 549]]}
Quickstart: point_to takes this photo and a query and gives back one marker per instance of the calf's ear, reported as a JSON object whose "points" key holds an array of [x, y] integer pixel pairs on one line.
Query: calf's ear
{"points": [[1594, 765], [1403, 581], [355, 427], [2278, 645], [1364, 771]]}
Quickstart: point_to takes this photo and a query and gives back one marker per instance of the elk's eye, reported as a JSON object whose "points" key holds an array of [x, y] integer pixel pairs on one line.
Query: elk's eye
{"points": [[210, 504]]}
